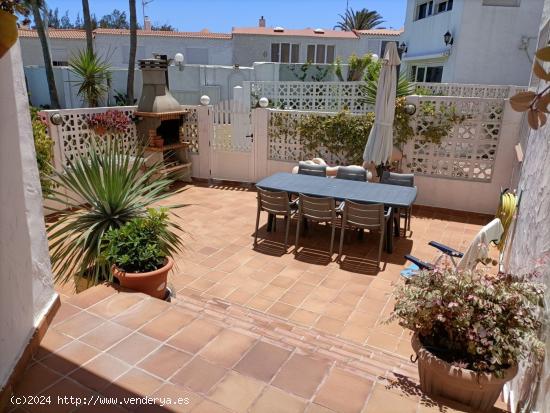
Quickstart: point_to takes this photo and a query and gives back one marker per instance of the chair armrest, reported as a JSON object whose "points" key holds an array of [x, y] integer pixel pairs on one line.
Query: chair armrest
{"points": [[388, 213], [294, 204], [421, 264], [446, 249]]}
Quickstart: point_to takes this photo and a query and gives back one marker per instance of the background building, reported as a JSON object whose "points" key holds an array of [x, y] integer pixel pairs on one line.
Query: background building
{"points": [[491, 41]]}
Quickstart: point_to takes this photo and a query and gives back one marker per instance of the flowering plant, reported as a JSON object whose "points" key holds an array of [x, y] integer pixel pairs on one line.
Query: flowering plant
{"points": [[111, 121], [473, 319]]}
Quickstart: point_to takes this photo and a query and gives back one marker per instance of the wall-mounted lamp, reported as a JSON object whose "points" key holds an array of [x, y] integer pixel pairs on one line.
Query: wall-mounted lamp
{"points": [[205, 100], [402, 47], [178, 60], [448, 38], [410, 109], [56, 119]]}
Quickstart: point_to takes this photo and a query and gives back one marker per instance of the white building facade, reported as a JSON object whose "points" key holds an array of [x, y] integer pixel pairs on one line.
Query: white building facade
{"points": [[243, 46], [487, 42]]}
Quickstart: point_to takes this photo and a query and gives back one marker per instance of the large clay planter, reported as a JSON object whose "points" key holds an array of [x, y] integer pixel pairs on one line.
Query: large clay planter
{"points": [[8, 31], [440, 379], [152, 283]]}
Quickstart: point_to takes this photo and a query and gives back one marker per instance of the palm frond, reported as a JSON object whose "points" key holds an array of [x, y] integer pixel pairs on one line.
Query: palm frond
{"points": [[364, 19]]}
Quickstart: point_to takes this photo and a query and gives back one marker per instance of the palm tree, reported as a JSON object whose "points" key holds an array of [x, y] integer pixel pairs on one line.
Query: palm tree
{"points": [[87, 26], [364, 19], [37, 6], [132, 58]]}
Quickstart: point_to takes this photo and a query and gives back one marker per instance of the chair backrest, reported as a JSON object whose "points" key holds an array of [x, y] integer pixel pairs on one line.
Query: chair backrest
{"points": [[352, 173], [392, 178], [305, 168], [320, 209], [367, 216], [274, 202]]}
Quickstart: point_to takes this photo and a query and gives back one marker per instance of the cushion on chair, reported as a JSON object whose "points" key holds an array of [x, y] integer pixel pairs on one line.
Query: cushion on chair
{"points": [[352, 173], [392, 178], [305, 168]]}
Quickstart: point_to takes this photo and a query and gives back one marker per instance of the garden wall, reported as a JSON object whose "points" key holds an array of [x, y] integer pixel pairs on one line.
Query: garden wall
{"points": [[26, 291]]}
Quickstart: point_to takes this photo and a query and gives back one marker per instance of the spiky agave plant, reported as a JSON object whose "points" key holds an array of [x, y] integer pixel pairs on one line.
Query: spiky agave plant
{"points": [[99, 191]]}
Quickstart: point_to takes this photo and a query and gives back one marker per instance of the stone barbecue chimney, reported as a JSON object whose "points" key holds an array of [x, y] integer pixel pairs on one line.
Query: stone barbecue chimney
{"points": [[158, 113], [147, 23], [261, 22]]}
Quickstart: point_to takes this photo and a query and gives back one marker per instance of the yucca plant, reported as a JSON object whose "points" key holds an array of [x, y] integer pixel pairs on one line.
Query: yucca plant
{"points": [[94, 73], [99, 191]]}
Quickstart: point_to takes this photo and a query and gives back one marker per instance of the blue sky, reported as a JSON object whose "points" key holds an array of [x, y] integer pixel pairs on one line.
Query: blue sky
{"points": [[221, 15]]}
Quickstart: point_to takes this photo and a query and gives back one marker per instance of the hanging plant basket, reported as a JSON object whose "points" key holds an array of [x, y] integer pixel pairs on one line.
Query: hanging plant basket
{"points": [[8, 31]]}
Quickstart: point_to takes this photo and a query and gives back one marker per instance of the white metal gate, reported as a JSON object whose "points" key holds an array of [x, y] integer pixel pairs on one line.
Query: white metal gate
{"points": [[232, 145]]}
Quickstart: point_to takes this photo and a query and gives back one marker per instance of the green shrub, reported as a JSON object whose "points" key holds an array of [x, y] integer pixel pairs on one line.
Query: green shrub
{"points": [[111, 186], [43, 145], [473, 319], [343, 133], [142, 244]]}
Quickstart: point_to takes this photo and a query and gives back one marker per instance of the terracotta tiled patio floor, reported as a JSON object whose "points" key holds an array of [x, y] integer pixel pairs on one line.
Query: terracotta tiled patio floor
{"points": [[260, 319], [107, 348]]}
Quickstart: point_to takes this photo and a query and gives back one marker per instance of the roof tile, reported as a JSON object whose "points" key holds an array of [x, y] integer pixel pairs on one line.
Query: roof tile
{"points": [[381, 32], [270, 31]]}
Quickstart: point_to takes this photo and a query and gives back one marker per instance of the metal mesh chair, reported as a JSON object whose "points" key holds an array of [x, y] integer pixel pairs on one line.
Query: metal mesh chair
{"points": [[392, 178], [365, 216], [317, 210], [275, 203], [352, 173], [305, 168]]}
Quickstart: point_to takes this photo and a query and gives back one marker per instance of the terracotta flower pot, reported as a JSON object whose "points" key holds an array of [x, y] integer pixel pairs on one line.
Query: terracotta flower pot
{"points": [[8, 31], [442, 380], [152, 283]]}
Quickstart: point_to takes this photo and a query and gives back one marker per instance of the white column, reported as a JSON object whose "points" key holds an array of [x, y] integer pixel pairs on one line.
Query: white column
{"points": [[26, 290]]}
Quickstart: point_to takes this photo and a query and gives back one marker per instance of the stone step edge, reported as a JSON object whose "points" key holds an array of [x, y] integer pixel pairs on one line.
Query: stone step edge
{"points": [[373, 362]]}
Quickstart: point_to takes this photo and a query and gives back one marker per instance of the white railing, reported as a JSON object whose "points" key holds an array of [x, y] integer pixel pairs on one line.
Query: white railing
{"points": [[315, 96], [336, 96], [468, 90]]}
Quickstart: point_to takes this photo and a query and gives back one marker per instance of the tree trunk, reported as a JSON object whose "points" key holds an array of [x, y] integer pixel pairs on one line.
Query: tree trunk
{"points": [[87, 26], [132, 58], [54, 100]]}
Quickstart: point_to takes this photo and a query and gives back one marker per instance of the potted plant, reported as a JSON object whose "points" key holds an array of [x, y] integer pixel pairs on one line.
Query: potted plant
{"points": [[470, 330], [95, 192], [140, 251], [8, 22]]}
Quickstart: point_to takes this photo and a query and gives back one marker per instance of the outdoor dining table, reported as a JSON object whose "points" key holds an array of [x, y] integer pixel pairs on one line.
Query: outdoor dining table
{"points": [[341, 189]]}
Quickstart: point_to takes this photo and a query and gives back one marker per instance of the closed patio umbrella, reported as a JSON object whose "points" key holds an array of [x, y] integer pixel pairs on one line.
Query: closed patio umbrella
{"points": [[380, 143]]}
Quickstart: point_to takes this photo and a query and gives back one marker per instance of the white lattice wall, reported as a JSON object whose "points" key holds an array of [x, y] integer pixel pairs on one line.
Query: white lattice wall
{"points": [[468, 90], [469, 151], [335, 96], [311, 96], [72, 136], [284, 143]]}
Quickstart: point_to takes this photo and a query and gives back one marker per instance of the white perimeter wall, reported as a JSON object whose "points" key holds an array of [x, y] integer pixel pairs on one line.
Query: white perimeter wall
{"points": [[25, 274]]}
